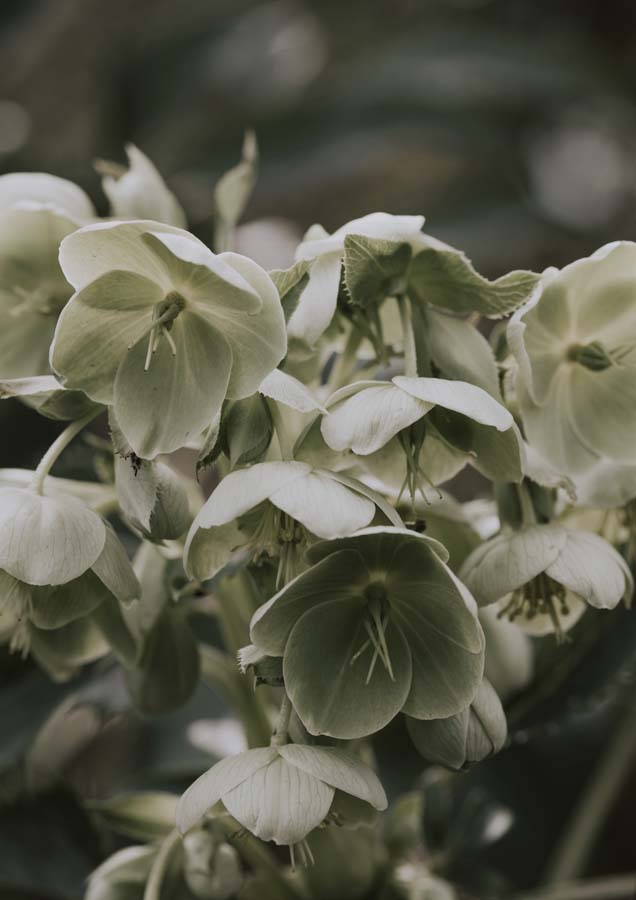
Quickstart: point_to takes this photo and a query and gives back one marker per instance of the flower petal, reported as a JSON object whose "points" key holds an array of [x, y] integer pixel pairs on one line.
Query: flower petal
{"points": [[223, 777], [279, 802], [286, 389], [460, 396], [46, 190], [328, 687], [592, 569], [316, 305], [339, 769], [325, 507], [172, 402]]}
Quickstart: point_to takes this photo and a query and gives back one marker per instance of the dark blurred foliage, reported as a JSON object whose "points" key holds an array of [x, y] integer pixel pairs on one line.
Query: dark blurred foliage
{"points": [[510, 124]]}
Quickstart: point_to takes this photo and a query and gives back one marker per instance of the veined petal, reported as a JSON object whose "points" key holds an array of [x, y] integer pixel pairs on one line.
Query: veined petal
{"points": [[460, 396], [286, 389], [367, 420], [114, 570], [602, 408], [98, 326], [317, 304], [339, 769], [591, 568], [56, 606], [376, 544], [221, 778], [141, 193], [325, 507], [280, 802], [340, 576], [46, 539], [160, 409]]}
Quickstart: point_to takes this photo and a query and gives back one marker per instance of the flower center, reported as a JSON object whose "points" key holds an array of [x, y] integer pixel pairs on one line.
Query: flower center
{"points": [[541, 596], [163, 318], [592, 356], [412, 441], [375, 622], [277, 536]]}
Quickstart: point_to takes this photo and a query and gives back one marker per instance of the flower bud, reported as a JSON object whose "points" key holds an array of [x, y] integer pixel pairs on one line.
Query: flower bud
{"points": [[212, 868]]}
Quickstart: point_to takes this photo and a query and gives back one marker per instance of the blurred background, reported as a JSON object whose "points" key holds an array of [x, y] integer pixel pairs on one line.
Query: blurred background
{"points": [[510, 124]]}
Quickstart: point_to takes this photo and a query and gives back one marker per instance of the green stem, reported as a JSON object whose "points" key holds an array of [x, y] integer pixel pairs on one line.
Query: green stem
{"points": [[282, 433], [410, 355], [160, 866], [345, 364], [528, 515], [595, 803], [281, 731], [258, 856], [57, 448]]}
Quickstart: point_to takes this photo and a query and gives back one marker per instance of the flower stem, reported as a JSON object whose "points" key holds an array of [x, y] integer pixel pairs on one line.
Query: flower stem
{"points": [[410, 354], [57, 448], [279, 736], [284, 439], [160, 866], [528, 515], [346, 362]]}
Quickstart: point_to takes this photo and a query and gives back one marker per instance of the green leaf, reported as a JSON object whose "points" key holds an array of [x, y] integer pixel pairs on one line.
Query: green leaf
{"points": [[246, 430], [374, 268], [446, 278], [143, 815], [46, 539], [330, 692], [290, 284], [48, 397], [152, 496]]}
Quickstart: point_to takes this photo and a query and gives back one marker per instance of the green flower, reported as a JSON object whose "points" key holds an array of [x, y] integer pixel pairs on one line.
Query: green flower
{"points": [[575, 345], [275, 509], [280, 793], [468, 737], [163, 329], [378, 624], [36, 212], [59, 561], [366, 415], [544, 575]]}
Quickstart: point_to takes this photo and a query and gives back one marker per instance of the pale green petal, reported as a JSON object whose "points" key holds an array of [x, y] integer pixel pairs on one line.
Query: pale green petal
{"points": [[97, 329], [377, 544], [460, 396], [60, 651], [328, 691], [152, 496], [114, 570], [47, 540], [224, 776], [316, 306], [509, 561], [54, 607], [546, 337], [161, 409], [509, 653], [461, 351], [286, 389], [325, 507], [366, 420], [141, 192], [259, 341], [607, 485], [375, 225], [339, 769], [603, 409], [213, 535], [279, 803], [443, 633], [339, 576], [47, 190], [592, 569], [102, 247], [48, 397]]}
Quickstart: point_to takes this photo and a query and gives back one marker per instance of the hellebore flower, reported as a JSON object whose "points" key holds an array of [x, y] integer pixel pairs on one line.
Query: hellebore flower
{"points": [[163, 329], [282, 792], [36, 212], [58, 561], [468, 737], [378, 624], [544, 575], [317, 304], [139, 192], [291, 501], [366, 415], [575, 345]]}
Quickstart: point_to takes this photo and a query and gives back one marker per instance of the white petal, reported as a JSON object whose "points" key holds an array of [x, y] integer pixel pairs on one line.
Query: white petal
{"points": [[339, 769], [324, 506], [46, 190], [317, 304], [284, 388], [592, 569], [460, 396]]}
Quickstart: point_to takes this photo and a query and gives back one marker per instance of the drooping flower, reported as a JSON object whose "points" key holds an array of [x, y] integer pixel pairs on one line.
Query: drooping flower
{"points": [[36, 212], [280, 793], [163, 329], [366, 415], [575, 345], [544, 575], [378, 624], [275, 509], [468, 737], [59, 561]]}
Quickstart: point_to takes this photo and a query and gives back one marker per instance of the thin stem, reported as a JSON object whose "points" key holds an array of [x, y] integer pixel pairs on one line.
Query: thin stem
{"points": [[160, 866], [345, 364], [284, 439], [57, 448], [528, 515], [410, 355], [595, 803], [282, 725]]}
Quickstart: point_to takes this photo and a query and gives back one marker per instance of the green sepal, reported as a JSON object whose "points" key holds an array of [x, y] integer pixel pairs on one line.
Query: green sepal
{"points": [[375, 269]]}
